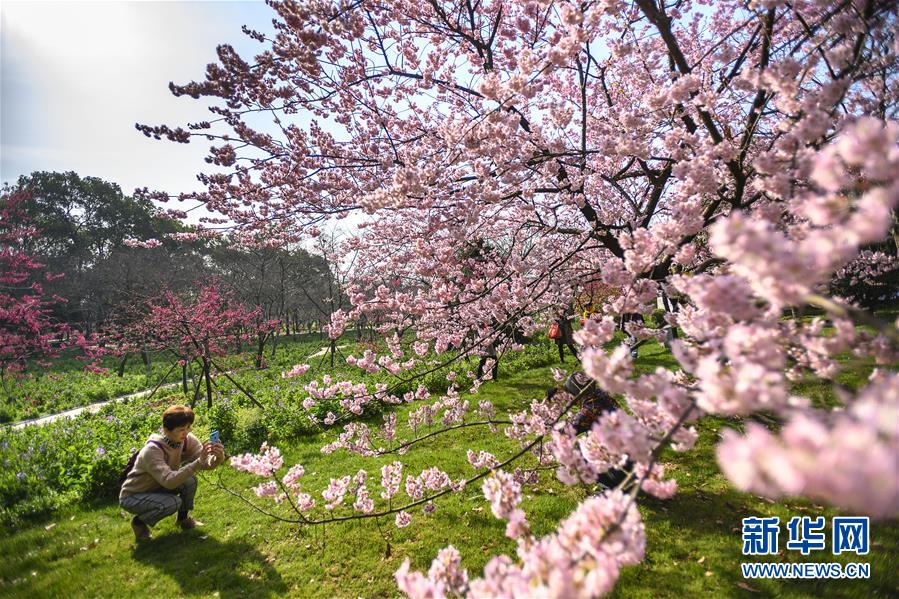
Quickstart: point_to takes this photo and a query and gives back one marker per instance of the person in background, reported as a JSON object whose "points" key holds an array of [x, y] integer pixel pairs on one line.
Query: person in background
{"points": [[566, 334], [588, 311], [163, 479], [632, 342]]}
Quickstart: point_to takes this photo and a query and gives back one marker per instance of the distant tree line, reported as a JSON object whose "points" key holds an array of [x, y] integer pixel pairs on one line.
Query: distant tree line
{"points": [[84, 223]]}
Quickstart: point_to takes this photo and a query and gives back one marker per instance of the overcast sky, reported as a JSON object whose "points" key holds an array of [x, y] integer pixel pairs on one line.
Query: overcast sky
{"points": [[76, 77]]}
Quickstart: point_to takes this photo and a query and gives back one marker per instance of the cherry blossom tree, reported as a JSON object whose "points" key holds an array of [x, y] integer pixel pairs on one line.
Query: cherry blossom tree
{"points": [[731, 155], [198, 329], [27, 330], [871, 279]]}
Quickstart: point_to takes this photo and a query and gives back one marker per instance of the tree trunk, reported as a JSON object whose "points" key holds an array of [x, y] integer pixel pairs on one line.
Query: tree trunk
{"points": [[260, 349], [145, 356], [196, 395], [206, 365], [208, 383], [122, 363]]}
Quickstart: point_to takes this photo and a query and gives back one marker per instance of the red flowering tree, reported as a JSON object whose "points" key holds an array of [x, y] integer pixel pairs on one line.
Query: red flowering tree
{"points": [[27, 330], [729, 155], [198, 330]]}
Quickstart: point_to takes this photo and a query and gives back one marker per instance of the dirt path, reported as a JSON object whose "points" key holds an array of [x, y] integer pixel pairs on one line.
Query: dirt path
{"points": [[325, 350]]}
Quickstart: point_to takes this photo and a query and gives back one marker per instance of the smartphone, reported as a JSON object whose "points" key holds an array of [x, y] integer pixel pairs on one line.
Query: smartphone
{"points": [[214, 437]]}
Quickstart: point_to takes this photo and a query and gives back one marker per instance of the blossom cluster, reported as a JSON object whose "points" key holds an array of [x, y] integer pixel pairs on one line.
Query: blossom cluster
{"points": [[297, 370], [582, 558], [339, 489], [265, 463], [861, 443]]}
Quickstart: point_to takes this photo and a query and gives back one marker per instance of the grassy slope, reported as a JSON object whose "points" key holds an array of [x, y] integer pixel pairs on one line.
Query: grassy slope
{"points": [[693, 539]]}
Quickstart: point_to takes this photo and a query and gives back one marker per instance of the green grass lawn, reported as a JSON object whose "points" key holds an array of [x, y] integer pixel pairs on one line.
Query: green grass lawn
{"points": [[65, 384], [693, 546]]}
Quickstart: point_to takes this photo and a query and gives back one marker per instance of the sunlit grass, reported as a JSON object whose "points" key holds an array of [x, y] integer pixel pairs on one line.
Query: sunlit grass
{"points": [[693, 543]]}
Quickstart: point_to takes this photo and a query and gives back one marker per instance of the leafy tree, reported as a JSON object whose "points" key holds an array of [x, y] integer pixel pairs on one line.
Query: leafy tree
{"points": [[84, 223], [276, 280]]}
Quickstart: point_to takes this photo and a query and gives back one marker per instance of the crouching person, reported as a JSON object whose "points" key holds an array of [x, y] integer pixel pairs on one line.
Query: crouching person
{"points": [[162, 480], [594, 403]]}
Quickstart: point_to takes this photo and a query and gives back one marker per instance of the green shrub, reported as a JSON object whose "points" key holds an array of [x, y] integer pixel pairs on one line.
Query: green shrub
{"points": [[251, 430], [222, 417], [286, 421], [44, 467]]}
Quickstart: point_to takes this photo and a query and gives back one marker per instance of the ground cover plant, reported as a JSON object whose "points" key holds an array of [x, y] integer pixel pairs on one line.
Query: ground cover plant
{"points": [[40, 391]]}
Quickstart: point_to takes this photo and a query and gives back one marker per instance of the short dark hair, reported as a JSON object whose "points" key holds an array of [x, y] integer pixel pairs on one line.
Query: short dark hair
{"points": [[175, 416]]}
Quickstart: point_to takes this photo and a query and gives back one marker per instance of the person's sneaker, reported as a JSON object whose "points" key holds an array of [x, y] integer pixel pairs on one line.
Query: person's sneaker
{"points": [[141, 530], [188, 523]]}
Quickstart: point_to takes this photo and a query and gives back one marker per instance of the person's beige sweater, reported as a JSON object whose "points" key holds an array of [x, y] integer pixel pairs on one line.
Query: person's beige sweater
{"points": [[158, 468]]}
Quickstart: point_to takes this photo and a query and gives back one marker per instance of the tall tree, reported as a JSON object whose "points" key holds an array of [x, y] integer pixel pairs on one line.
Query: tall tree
{"points": [[27, 330], [275, 279], [84, 223]]}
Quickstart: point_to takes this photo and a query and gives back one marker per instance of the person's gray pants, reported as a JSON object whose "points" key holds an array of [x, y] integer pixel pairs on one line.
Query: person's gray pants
{"points": [[153, 507]]}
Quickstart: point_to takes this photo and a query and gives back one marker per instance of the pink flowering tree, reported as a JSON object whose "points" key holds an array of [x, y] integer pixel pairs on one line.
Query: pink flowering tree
{"points": [[872, 278], [28, 329], [731, 156], [198, 330]]}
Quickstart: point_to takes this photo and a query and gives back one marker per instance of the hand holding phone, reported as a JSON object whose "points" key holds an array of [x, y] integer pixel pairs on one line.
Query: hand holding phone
{"points": [[214, 450]]}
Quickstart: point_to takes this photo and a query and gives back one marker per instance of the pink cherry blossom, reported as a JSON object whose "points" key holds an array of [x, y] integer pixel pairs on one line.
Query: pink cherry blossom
{"points": [[297, 370], [403, 519]]}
